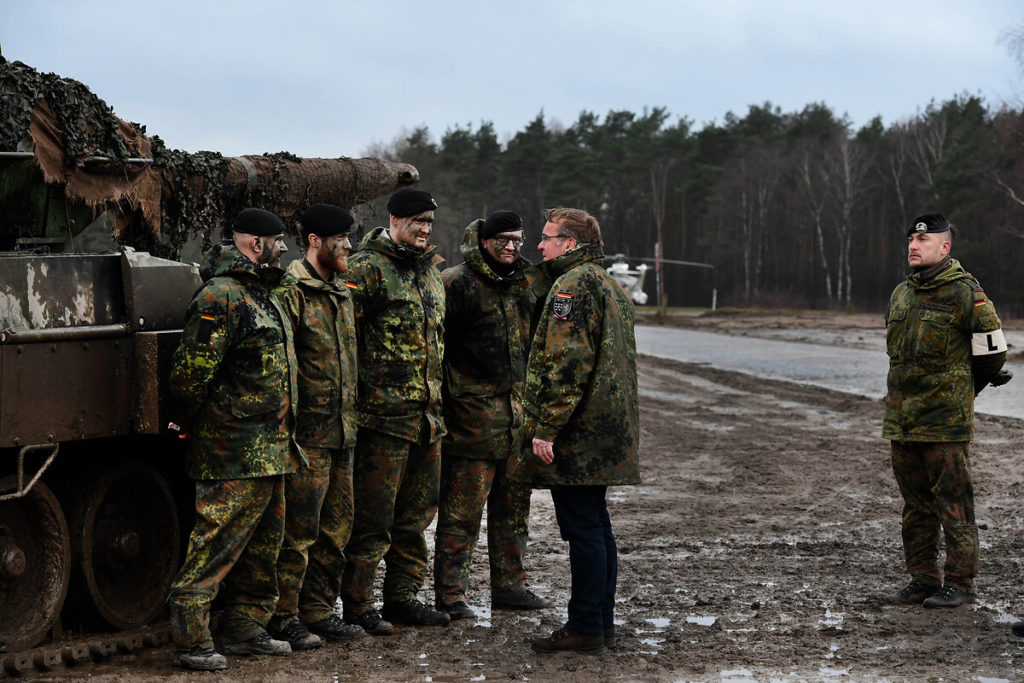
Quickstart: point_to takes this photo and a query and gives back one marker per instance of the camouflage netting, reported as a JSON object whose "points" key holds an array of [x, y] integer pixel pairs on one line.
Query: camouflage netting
{"points": [[98, 159]]}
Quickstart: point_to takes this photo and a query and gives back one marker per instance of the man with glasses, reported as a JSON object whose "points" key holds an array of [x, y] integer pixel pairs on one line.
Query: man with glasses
{"points": [[582, 417], [487, 326], [235, 375], [399, 306], [318, 519]]}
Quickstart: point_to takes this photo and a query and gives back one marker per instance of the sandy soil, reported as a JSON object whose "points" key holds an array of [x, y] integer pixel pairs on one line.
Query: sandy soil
{"points": [[765, 530]]}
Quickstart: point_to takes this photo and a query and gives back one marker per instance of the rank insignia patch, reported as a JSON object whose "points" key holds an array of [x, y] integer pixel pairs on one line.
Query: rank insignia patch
{"points": [[561, 305]]}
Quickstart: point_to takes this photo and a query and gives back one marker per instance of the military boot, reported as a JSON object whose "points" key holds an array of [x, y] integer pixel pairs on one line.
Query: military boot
{"points": [[913, 593], [200, 659], [371, 622], [334, 628], [456, 610], [413, 613], [510, 599], [949, 596], [296, 634], [1018, 629], [262, 644]]}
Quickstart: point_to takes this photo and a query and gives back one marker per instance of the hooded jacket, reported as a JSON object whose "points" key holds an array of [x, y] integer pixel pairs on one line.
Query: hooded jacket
{"points": [[321, 314], [581, 384], [487, 328], [944, 339], [399, 308], [235, 372]]}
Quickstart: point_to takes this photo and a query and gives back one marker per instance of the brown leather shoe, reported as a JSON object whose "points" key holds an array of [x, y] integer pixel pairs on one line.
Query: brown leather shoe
{"points": [[566, 639]]}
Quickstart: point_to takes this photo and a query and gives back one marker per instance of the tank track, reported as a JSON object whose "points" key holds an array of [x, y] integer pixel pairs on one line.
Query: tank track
{"points": [[80, 651]]}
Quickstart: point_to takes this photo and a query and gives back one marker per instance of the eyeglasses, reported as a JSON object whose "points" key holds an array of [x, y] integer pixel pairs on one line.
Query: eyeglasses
{"points": [[502, 242], [545, 238]]}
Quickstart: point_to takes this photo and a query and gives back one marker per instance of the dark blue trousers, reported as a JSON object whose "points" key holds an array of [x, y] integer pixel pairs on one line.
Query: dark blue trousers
{"points": [[582, 515]]}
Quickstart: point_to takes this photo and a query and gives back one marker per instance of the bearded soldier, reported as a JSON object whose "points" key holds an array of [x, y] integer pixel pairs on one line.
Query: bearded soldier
{"points": [[945, 344], [487, 326], [318, 519], [235, 374], [399, 305]]}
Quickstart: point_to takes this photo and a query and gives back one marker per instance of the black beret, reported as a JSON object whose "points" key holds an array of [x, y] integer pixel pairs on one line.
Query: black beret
{"points": [[500, 221], [257, 222], [410, 202], [325, 220], [928, 222]]}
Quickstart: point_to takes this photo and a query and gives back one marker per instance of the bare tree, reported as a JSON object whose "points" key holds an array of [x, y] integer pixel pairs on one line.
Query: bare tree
{"points": [[845, 174]]}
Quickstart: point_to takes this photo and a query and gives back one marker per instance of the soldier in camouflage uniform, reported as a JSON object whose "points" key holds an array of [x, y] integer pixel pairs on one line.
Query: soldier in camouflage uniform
{"points": [[945, 344], [487, 326], [235, 374], [582, 417], [399, 305], [318, 518]]}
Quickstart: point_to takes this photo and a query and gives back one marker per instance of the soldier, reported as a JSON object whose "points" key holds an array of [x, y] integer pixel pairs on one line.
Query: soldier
{"points": [[235, 375], [318, 519], [487, 327], [945, 344], [582, 417], [399, 305]]}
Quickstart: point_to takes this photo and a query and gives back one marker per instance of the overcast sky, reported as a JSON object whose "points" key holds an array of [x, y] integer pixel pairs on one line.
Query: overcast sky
{"points": [[327, 79]]}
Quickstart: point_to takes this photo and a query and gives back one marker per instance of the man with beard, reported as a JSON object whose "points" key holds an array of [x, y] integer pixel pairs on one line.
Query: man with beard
{"points": [[487, 327], [235, 374], [399, 305], [945, 344], [318, 511]]}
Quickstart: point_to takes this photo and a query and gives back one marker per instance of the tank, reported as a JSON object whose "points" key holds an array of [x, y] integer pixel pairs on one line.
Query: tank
{"points": [[94, 504]]}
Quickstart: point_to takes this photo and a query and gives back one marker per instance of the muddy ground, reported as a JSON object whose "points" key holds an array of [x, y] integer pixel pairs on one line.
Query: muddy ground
{"points": [[766, 528]]}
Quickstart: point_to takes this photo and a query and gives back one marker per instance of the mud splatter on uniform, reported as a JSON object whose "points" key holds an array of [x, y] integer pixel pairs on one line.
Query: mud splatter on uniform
{"points": [[487, 327], [944, 342], [235, 374], [400, 308]]}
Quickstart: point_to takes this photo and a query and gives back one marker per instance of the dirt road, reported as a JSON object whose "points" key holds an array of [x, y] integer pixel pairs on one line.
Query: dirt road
{"points": [[765, 529]]}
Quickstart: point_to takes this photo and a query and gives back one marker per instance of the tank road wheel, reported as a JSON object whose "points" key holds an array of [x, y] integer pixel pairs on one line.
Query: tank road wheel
{"points": [[35, 564], [125, 543]]}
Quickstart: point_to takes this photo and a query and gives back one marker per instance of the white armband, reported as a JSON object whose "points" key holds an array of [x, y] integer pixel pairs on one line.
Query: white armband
{"points": [[986, 343]]}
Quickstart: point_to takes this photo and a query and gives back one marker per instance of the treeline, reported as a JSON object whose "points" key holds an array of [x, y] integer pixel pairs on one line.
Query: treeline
{"points": [[792, 209]]}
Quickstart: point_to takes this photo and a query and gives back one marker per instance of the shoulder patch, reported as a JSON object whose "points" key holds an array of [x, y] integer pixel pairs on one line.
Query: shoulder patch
{"points": [[351, 285], [207, 323], [561, 305]]}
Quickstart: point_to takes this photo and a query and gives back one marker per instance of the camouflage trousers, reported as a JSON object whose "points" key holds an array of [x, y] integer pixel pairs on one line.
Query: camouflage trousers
{"points": [[317, 525], [233, 549], [395, 484], [938, 498], [466, 487]]}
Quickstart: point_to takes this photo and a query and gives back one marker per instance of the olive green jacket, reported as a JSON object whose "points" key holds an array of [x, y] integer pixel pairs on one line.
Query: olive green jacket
{"points": [[486, 341], [399, 307], [321, 315], [581, 384], [235, 372], [932, 325]]}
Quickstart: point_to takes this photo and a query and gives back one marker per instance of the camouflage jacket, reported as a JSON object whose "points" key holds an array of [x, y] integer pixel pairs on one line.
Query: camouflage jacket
{"points": [[486, 341], [581, 386], [399, 307], [235, 372], [321, 315], [943, 338]]}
